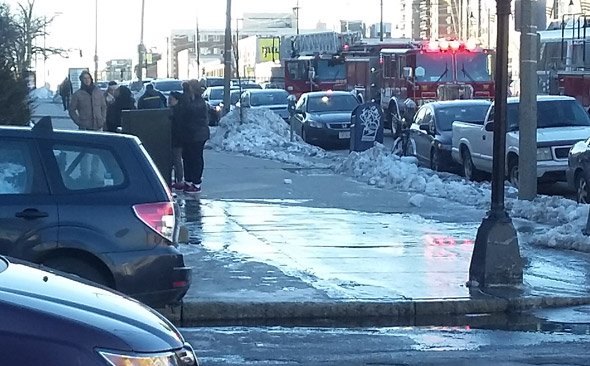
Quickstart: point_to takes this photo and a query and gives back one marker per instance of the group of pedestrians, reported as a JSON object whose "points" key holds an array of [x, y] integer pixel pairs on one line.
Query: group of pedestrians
{"points": [[92, 109]]}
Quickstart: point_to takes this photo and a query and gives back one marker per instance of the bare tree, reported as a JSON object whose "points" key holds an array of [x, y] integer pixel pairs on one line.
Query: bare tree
{"points": [[31, 28]]}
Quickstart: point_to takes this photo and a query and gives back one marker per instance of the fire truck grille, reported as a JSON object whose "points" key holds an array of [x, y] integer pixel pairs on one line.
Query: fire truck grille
{"points": [[454, 91], [562, 152]]}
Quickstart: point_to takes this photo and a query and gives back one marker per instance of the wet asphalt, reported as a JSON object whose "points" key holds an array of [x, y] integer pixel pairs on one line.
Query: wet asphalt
{"points": [[273, 241]]}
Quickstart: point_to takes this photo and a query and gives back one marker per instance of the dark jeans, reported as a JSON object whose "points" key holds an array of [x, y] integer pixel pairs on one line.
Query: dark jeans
{"points": [[192, 155], [65, 100]]}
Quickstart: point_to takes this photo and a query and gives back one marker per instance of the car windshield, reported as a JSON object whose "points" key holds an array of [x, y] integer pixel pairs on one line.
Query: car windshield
{"points": [[215, 93], [434, 67], [473, 67], [328, 70], [269, 98], [332, 103], [552, 113], [234, 97], [466, 113], [169, 85]]}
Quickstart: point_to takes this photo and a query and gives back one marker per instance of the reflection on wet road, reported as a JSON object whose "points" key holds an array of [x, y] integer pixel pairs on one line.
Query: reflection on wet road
{"points": [[359, 255]]}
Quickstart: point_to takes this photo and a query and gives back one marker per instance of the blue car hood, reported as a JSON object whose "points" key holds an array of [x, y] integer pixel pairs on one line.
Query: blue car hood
{"points": [[33, 300], [330, 117]]}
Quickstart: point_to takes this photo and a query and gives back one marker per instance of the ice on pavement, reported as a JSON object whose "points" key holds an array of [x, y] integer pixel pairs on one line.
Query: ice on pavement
{"points": [[262, 133]]}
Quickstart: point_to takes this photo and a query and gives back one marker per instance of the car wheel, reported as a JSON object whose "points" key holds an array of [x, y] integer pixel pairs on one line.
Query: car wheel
{"points": [[513, 172], [581, 188], [435, 163], [469, 170], [78, 267]]}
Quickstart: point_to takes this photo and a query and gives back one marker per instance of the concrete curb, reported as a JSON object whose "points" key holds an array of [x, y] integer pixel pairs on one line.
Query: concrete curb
{"points": [[406, 311]]}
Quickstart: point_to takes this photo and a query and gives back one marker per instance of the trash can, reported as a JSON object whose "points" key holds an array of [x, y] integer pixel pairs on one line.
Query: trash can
{"points": [[153, 128], [366, 126]]}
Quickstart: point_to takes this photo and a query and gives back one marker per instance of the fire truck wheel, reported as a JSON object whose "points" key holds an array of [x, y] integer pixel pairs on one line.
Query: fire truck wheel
{"points": [[581, 188]]}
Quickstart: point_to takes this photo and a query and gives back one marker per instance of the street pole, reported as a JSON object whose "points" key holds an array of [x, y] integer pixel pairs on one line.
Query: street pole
{"points": [[237, 48], [527, 143], [227, 59], [296, 8], [381, 24], [496, 257], [95, 40], [140, 47]]}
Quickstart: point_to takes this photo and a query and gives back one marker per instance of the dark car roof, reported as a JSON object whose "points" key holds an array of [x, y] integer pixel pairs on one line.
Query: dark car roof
{"points": [[76, 308], [324, 93], [459, 102]]}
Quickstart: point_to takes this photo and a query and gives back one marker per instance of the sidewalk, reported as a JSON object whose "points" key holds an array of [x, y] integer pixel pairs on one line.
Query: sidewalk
{"points": [[272, 241]]}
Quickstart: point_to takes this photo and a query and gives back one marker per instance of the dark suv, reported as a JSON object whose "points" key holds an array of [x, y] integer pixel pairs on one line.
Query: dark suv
{"points": [[92, 204]]}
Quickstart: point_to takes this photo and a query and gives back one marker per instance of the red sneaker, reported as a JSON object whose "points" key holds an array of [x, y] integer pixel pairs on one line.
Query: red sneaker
{"points": [[192, 188], [178, 186]]}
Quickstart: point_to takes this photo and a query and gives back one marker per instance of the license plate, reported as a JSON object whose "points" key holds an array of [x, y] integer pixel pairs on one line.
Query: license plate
{"points": [[344, 134]]}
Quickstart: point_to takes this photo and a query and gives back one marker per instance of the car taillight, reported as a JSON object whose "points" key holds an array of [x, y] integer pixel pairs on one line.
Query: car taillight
{"points": [[159, 217]]}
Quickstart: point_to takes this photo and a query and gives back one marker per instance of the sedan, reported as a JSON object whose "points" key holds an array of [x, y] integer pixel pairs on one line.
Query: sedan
{"points": [[52, 318], [432, 130], [578, 171], [214, 97], [274, 99], [324, 117]]}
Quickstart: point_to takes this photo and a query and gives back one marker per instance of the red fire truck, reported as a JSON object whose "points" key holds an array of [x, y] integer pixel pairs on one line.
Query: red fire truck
{"points": [[317, 62], [564, 62], [420, 71]]}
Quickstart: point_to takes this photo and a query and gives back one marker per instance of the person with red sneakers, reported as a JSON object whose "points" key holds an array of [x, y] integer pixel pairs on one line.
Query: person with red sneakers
{"points": [[194, 127]]}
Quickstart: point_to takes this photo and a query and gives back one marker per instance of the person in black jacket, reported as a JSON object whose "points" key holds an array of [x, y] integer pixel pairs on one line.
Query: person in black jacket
{"points": [[194, 127], [123, 101], [176, 132], [66, 91], [151, 99]]}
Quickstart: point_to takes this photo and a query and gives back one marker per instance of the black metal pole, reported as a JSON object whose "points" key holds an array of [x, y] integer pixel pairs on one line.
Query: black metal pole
{"points": [[501, 81], [496, 257], [227, 59]]}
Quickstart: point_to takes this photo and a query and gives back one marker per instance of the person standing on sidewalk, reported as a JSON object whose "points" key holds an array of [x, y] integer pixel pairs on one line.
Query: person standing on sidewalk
{"points": [[88, 110], [195, 132], [65, 90], [176, 132]]}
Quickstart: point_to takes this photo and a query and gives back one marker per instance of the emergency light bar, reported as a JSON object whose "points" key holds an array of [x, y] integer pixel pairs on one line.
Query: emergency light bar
{"points": [[449, 45]]}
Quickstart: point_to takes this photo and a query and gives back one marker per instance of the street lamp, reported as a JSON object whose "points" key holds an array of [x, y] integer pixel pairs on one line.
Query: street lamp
{"points": [[496, 258], [95, 40]]}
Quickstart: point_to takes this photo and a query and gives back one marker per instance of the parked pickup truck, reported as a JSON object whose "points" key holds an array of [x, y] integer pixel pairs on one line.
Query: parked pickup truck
{"points": [[561, 122]]}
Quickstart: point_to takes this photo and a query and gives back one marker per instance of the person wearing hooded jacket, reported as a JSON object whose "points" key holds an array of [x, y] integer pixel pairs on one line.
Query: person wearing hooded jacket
{"points": [[88, 107]]}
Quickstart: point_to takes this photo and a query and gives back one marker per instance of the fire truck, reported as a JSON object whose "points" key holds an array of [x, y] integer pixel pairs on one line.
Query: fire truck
{"points": [[316, 62], [564, 58], [398, 70]]}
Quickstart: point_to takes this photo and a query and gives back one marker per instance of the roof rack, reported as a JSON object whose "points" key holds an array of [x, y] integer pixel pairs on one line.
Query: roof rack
{"points": [[44, 125]]}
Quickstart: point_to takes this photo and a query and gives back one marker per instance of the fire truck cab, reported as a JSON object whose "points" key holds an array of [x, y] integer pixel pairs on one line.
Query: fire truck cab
{"points": [[564, 58]]}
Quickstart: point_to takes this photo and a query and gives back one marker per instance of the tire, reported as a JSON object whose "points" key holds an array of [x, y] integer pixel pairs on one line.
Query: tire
{"points": [[79, 268], [513, 172], [581, 189], [435, 163], [470, 172]]}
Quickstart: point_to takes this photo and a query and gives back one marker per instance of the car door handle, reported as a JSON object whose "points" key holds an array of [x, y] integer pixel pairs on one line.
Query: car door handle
{"points": [[483, 137], [31, 213]]}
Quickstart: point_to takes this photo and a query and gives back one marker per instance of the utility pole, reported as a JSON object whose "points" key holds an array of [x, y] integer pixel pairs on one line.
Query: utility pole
{"points": [[198, 49], [496, 258], [227, 59], [527, 109], [141, 47], [381, 24], [95, 40], [296, 9]]}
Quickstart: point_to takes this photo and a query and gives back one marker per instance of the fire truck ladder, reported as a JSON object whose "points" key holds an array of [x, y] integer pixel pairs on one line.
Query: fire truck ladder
{"points": [[579, 23]]}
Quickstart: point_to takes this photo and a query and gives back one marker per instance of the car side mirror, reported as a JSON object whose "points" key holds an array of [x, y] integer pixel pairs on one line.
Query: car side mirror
{"points": [[407, 72], [489, 126], [206, 97], [425, 127]]}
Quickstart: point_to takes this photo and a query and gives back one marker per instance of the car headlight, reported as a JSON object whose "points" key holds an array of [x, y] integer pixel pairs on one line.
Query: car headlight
{"points": [[544, 153], [315, 124], [184, 358]]}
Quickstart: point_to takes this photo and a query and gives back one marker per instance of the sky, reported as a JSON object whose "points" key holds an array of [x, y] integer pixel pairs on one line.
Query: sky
{"points": [[119, 23]]}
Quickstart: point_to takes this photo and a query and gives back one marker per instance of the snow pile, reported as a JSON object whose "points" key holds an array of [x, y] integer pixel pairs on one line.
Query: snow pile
{"points": [[41, 93], [263, 133]]}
